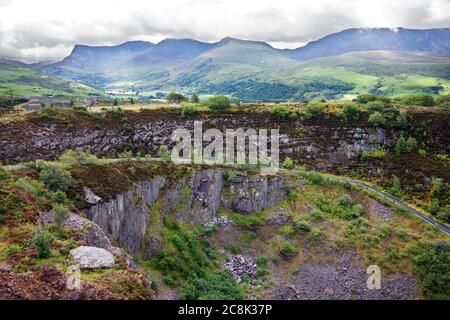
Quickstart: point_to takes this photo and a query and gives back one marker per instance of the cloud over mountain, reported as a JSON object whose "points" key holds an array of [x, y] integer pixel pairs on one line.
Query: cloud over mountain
{"points": [[42, 30]]}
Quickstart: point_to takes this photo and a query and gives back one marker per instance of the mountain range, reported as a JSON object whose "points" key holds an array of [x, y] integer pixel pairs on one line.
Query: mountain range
{"points": [[381, 60]]}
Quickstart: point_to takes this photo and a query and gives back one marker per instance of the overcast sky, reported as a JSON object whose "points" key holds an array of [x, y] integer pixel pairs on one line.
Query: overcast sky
{"points": [[32, 30]]}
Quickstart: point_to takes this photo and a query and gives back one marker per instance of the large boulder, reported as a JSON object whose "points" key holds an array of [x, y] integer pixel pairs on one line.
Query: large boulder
{"points": [[92, 257]]}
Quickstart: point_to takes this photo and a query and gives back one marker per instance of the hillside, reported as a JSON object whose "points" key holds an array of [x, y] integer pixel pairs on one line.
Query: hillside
{"points": [[23, 81], [386, 61], [364, 39], [162, 231]]}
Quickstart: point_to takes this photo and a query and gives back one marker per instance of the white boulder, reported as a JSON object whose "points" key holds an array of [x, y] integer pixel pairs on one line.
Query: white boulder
{"points": [[92, 257]]}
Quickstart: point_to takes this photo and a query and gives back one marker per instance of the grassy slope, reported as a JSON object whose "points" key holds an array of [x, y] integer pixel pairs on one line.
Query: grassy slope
{"points": [[393, 74], [28, 82]]}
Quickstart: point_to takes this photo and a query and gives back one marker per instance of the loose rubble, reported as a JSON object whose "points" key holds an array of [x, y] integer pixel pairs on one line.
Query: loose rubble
{"points": [[241, 267], [217, 221], [343, 281]]}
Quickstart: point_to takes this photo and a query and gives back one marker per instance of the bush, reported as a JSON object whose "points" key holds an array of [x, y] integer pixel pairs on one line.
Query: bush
{"points": [[433, 267], [175, 97], [60, 197], [315, 178], [444, 214], [81, 110], [33, 187], [4, 175], [402, 118], [221, 285], [287, 231], [404, 145], [373, 154], [315, 234], [303, 225], [48, 112], [376, 119], [317, 215], [422, 152], [424, 100], [369, 97], [433, 206], [169, 281], [12, 249], [342, 208], [154, 285], [189, 109], [396, 188], [249, 236], [345, 201], [249, 221], [288, 249], [195, 98], [262, 261], [292, 195], [60, 212], [350, 112], [218, 103], [288, 163], [42, 241], [283, 113], [76, 158], [314, 110], [436, 187], [443, 101], [375, 106], [53, 177]]}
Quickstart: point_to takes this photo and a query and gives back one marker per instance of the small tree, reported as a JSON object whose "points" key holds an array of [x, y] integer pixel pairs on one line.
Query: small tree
{"points": [[61, 213], [376, 119], [115, 102], [350, 112], [195, 98], [282, 112], [402, 118], [218, 102], [188, 109], [404, 145], [53, 177], [42, 241], [175, 97], [314, 109], [373, 106]]}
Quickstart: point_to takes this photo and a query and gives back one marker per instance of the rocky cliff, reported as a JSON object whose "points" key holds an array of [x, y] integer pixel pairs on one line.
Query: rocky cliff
{"points": [[134, 218], [146, 131]]}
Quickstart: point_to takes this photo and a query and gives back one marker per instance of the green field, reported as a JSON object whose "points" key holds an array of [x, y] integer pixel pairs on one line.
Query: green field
{"points": [[28, 82]]}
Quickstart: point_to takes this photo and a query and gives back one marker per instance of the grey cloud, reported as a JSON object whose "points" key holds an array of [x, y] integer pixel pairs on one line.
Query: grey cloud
{"points": [[53, 38]]}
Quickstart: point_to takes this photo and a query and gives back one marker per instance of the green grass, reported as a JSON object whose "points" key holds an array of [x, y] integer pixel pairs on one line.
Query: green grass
{"points": [[27, 82]]}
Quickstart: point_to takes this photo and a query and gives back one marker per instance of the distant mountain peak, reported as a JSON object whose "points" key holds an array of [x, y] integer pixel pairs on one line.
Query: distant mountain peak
{"points": [[365, 39], [228, 40]]}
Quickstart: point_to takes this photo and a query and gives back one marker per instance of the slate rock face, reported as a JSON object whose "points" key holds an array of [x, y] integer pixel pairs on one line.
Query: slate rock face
{"points": [[135, 218], [26, 141], [92, 257]]}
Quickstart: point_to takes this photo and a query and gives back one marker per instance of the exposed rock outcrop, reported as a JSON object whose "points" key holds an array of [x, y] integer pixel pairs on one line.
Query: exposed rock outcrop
{"points": [[92, 257], [45, 139], [135, 218]]}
